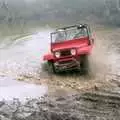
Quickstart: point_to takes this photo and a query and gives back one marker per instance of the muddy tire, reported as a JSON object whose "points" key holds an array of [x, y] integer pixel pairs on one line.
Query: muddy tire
{"points": [[84, 64], [51, 68]]}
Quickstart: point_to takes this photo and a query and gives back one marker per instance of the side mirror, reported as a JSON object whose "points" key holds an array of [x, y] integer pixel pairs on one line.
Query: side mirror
{"points": [[92, 40]]}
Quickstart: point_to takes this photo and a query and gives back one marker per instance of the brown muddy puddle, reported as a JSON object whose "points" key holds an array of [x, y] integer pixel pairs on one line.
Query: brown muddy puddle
{"points": [[10, 89], [21, 61]]}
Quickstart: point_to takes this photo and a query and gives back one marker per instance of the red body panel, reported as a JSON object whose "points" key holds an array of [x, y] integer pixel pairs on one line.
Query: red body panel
{"points": [[75, 43], [48, 57], [84, 50], [82, 46]]}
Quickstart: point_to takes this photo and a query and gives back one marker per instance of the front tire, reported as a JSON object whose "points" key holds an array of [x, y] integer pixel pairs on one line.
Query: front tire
{"points": [[51, 68], [84, 64]]}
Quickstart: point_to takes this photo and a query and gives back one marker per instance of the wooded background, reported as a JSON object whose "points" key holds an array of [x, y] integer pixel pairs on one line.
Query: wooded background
{"points": [[22, 12]]}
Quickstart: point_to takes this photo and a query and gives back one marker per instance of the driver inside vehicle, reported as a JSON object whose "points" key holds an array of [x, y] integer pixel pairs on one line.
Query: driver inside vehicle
{"points": [[81, 33], [61, 36]]}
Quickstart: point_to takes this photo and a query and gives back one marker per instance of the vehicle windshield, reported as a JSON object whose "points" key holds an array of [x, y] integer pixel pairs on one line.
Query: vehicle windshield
{"points": [[70, 34]]}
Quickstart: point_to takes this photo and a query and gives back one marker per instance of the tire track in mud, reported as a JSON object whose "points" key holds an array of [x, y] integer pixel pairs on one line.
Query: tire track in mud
{"points": [[97, 105]]}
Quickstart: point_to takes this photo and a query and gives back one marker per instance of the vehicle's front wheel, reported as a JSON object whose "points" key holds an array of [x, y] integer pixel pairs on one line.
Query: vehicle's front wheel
{"points": [[84, 64], [51, 68]]}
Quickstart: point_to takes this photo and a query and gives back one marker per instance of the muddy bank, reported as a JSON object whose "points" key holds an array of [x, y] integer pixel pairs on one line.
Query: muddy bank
{"points": [[97, 105], [23, 61]]}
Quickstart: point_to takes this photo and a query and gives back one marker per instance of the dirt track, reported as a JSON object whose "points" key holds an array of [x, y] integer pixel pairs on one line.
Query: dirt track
{"points": [[96, 97], [97, 105]]}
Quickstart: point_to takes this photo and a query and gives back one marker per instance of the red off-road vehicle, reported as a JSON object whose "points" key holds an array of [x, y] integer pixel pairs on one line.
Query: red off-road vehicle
{"points": [[70, 48]]}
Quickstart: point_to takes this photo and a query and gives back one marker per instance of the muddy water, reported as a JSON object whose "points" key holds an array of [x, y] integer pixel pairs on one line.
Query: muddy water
{"points": [[10, 89], [22, 58]]}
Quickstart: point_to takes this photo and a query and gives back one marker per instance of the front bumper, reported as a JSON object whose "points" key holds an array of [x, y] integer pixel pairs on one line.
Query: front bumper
{"points": [[67, 64]]}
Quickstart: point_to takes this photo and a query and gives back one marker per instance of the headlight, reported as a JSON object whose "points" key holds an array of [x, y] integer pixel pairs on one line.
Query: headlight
{"points": [[73, 51], [57, 54]]}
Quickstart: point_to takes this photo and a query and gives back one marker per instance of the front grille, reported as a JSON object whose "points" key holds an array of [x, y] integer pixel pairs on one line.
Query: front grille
{"points": [[64, 62], [65, 53]]}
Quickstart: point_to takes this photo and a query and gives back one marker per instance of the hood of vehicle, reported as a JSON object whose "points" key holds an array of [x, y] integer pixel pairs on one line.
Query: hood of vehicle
{"points": [[75, 43]]}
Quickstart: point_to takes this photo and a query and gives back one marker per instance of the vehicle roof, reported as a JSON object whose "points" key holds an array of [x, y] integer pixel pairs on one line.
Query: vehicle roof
{"points": [[72, 26], [68, 27]]}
